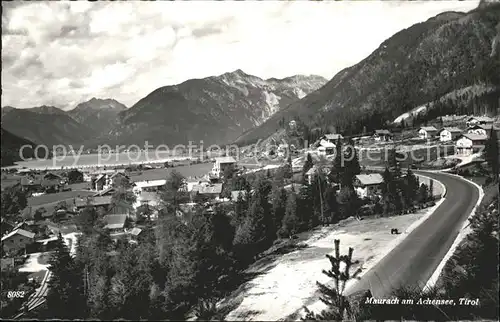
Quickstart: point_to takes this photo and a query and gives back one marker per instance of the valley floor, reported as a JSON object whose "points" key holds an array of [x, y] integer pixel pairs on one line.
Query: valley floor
{"points": [[287, 283]]}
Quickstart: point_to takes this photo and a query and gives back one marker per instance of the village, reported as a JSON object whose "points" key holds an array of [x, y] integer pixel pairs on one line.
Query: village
{"points": [[55, 199]]}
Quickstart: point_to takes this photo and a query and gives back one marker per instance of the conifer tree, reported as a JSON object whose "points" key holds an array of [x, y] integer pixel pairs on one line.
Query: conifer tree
{"points": [[65, 295], [352, 167], [307, 165], [423, 193], [279, 207], [291, 222], [288, 173], [98, 285], [254, 233], [431, 189], [172, 194], [331, 205], [388, 191], [339, 306], [411, 186], [492, 154], [86, 219], [240, 209], [336, 173], [14, 200]]}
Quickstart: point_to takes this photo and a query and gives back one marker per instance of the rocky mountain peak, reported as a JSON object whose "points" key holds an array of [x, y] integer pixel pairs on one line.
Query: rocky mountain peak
{"points": [[487, 3], [47, 109]]}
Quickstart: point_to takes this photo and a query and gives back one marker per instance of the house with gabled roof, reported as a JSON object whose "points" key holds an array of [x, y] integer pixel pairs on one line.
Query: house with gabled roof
{"points": [[52, 176], [114, 178], [480, 129], [332, 137], [210, 190], [106, 192], [115, 223], [100, 182], [103, 201], [427, 132], [479, 120], [447, 134], [368, 185], [148, 185], [31, 183], [310, 175], [470, 143], [221, 164], [382, 135], [6, 226], [151, 199], [326, 147], [17, 240], [135, 234]]}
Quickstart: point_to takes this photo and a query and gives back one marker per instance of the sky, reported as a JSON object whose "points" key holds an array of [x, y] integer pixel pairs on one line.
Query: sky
{"points": [[65, 53]]}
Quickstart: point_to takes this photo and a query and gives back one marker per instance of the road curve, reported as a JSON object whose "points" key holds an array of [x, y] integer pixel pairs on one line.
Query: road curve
{"points": [[416, 258]]}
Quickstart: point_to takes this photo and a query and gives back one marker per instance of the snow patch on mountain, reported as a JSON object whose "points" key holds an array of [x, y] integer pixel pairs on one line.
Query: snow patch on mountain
{"points": [[272, 105], [299, 92]]}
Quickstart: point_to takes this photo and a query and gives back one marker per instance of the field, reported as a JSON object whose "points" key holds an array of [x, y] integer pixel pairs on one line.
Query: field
{"points": [[79, 186], [58, 197], [9, 180], [284, 284], [194, 170]]}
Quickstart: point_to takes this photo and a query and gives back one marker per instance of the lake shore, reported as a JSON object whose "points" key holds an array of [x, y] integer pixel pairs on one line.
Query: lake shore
{"points": [[97, 161]]}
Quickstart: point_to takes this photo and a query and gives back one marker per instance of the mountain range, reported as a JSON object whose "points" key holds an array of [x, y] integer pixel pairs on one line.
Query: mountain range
{"points": [[45, 125], [453, 57], [97, 114], [11, 145], [215, 109], [450, 52], [212, 109]]}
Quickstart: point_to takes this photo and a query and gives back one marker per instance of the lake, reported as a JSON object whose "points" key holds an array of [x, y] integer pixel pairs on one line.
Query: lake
{"points": [[100, 160]]}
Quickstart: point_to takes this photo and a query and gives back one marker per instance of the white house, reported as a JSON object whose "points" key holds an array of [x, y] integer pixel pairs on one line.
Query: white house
{"points": [[332, 138], [221, 164], [190, 184], [100, 182], [367, 185], [210, 190], [382, 135], [151, 199], [427, 132], [87, 177], [479, 120], [447, 134], [283, 149], [326, 147], [483, 129], [311, 174], [114, 178], [470, 143], [115, 223], [146, 192], [148, 186]]}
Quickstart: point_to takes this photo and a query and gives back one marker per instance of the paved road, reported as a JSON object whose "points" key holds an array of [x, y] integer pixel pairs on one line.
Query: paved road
{"points": [[416, 258]]}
